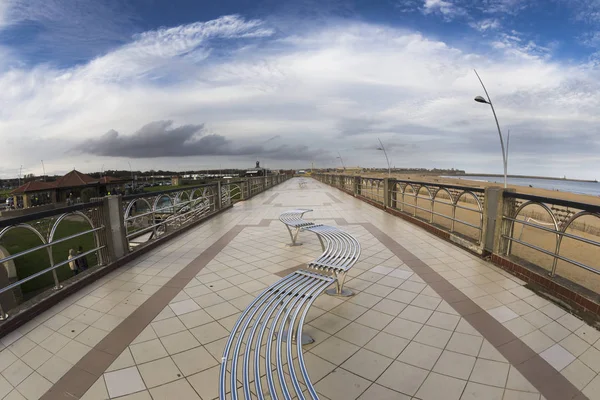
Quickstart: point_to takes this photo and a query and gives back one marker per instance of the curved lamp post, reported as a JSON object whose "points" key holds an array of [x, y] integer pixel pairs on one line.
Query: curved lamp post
{"points": [[342, 161], [480, 99], [382, 148]]}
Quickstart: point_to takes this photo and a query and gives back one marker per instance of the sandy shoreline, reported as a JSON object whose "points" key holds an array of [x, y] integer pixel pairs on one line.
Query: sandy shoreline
{"points": [[464, 181]]}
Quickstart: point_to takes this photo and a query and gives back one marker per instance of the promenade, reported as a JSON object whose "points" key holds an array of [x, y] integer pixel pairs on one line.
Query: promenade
{"points": [[429, 320]]}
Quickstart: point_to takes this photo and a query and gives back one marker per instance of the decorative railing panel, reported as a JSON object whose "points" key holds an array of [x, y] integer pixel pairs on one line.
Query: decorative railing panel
{"points": [[562, 237], [41, 251]]}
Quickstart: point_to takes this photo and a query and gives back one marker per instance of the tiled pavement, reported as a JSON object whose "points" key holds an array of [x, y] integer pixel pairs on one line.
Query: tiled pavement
{"points": [[395, 339]]}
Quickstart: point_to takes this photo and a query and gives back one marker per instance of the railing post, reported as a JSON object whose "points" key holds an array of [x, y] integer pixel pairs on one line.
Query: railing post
{"points": [[494, 208], [114, 228], [219, 202], [387, 193], [356, 185]]}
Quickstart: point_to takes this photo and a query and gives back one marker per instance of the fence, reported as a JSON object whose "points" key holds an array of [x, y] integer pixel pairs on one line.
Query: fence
{"points": [[562, 237], [530, 235], [35, 250]]}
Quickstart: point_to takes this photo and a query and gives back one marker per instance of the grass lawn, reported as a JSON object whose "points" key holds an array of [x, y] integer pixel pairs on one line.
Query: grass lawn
{"points": [[18, 240]]}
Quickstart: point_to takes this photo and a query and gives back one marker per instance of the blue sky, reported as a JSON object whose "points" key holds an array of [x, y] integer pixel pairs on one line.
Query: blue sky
{"points": [[187, 84]]}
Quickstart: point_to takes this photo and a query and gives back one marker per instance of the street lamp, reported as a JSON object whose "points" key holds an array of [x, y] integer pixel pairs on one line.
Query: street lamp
{"points": [[131, 171], [382, 148], [480, 99], [342, 161]]}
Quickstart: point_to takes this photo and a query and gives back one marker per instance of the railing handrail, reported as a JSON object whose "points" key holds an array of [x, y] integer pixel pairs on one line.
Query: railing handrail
{"points": [[48, 213], [440, 185], [553, 201]]}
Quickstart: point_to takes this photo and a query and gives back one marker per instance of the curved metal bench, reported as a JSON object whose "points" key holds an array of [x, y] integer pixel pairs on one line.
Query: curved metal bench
{"points": [[273, 319], [340, 252], [293, 220]]}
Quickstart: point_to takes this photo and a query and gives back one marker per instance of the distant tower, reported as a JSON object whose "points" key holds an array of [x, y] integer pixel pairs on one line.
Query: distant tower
{"points": [[258, 164]]}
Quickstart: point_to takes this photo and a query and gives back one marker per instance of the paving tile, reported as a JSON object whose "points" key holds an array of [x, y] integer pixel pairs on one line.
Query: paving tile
{"points": [[168, 326], [367, 364], [17, 372], [538, 341], [387, 344], [389, 307], [148, 351], [73, 351], [54, 368], [502, 313], [570, 322], [330, 323], [441, 387], [515, 395], [519, 326], [341, 384], [465, 344], [516, 381], [589, 334], [433, 336], [382, 393], [124, 360], [592, 390], [555, 331], [204, 383], [317, 366], [357, 334], [443, 320], [34, 386], [579, 374], [123, 382], [403, 328], [97, 391], [159, 372], [194, 360], [416, 314], [36, 357], [557, 356], [455, 364], [55, 342], [553, 311], [489, 372], [147, 334], [477, 391], [210, 332], [335, 350], [537, 318], [179, 342], [403, 378], [402, 296], [179, 389], [420, 355]]}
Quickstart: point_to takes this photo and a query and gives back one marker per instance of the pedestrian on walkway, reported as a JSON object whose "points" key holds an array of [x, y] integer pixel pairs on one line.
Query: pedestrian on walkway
{"points": [[82, 263], [73, 263]]}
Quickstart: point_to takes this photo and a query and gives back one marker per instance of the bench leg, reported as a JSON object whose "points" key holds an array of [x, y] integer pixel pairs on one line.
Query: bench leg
{"points": [[339, 289], [306, 338], [294, 236], [322, 244]]}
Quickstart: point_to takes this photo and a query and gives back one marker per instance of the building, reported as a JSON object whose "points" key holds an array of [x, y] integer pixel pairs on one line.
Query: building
{"points": [[257, 171], [74, 187]]}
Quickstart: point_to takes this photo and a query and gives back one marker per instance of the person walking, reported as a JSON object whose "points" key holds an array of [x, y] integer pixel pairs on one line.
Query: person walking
{"points": [[82, 263], [73, 263]]}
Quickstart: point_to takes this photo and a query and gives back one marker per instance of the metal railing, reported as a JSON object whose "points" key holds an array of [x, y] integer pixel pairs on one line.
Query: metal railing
{"points": [[371, 188], [553, 234], [34, 248], [149, 216], [52, 232], [450, 203]]}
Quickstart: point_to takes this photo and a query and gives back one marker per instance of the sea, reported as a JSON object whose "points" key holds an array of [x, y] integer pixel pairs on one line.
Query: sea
{"points": [[562, 185]]}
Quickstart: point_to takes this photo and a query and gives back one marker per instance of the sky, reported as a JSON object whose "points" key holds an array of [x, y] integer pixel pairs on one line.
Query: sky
{"points": [[197, 84]]}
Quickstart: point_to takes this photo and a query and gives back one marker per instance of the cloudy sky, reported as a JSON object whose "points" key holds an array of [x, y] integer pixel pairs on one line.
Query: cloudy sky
{"points": [[188, 84]]}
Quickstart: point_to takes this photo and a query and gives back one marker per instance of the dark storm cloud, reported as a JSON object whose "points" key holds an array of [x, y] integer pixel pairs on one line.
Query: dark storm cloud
{"points": [[161, 139]]}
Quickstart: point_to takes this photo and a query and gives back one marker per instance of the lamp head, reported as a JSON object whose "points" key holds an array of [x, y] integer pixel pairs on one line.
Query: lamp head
{"points": [[480, 99]]}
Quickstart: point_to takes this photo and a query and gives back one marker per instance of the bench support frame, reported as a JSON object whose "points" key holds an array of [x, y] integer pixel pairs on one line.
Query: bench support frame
{"points": [[294, 236]]}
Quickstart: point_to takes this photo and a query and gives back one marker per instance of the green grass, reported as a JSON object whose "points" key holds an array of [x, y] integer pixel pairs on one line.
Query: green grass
{"points": [[18, 240], [4, 193], [161, 188]]}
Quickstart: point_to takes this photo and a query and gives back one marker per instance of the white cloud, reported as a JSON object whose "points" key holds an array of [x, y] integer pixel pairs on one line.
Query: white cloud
{"points": [[446, 8], [359, 80], [488, 24]]}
